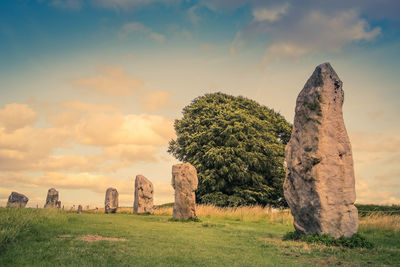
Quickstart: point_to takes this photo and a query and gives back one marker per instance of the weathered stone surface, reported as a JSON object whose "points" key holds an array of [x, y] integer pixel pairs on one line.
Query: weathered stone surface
{"points": [[79, 211], [143, 202], [52, 198], [111, 201], [17, 200], [319, 185], [184, 181]]}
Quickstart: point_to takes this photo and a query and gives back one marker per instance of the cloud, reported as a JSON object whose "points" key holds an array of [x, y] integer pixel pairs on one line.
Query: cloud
{"points": [[64, 4], [316, 33], [128, 5], [23, 148], [370, 194], [237, 44], [369, 8], [157, 37], [375, 142], [376, 166], [67, 4], [193, 17], [124, 129], [155, 100], [16, 116], [110, 80], [81, 106], [296, 28], [132, 153], [133, 28], [270, 14], [120, 139], [178, 32], [284, 49]]}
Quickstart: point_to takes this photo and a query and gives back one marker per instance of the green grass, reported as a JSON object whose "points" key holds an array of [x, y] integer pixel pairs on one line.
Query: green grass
{"points": [[31, 237], [355, 241]]}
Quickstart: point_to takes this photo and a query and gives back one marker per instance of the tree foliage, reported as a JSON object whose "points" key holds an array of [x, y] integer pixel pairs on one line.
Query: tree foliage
{"points": [[237, 147]]}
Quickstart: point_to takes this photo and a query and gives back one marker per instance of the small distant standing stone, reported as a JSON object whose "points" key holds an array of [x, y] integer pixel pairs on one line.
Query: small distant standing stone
{"points": [[143, 195], [319, 185], [17, 200], [184, 181], [79, 211], [52, 198], [111, 201]]}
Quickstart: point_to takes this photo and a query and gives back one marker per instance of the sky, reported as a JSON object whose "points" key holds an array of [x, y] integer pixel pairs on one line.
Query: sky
{"points": [[90, 88]]}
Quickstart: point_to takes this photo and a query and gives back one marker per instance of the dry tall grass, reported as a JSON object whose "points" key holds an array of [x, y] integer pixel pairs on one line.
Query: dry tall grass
{"points": [[380, 221], [245, 213]]}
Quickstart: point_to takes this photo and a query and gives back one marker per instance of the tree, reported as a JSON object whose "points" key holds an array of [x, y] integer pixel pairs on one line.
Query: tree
{"points": [[237, 147]]}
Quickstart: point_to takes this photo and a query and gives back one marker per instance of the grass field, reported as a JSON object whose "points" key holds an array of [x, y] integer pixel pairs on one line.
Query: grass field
{"points": [[248, 236]]}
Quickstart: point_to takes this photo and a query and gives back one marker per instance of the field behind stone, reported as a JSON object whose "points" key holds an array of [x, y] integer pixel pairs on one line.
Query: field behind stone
{"points": [[248, 236]]}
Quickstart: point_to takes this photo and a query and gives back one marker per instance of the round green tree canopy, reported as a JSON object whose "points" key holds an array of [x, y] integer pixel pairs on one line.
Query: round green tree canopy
{"points": [[237, 147]]}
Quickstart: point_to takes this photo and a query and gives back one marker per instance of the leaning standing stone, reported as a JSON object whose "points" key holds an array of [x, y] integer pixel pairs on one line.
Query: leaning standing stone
{"points": [[52, 198], [111, 201], [319, 185], [184, 181], [17, 200], [143, 195]]}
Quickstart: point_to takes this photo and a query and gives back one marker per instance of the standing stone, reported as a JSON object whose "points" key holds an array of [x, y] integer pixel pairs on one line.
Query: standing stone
{"points": [[111, 202], [17, 200], [79, 211], [319, 185], [52, 198], [143, 195], [184, 181]]}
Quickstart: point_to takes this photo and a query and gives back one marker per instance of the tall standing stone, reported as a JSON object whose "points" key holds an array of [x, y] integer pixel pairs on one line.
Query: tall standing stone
{"points": [[143, 202], [319, 185], [52, 198], [184, 181], [111, 201], [17, 200], [79, 211]]}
